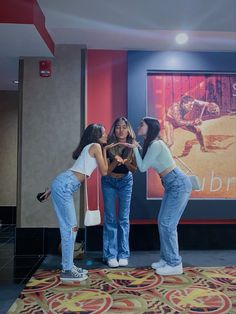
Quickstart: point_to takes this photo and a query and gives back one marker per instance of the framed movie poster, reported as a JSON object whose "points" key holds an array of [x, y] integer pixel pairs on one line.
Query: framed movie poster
{"points": [[197, 113]]}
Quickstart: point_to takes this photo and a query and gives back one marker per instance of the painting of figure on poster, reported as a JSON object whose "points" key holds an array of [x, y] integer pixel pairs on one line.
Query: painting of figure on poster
{"points": [[198, 118]]}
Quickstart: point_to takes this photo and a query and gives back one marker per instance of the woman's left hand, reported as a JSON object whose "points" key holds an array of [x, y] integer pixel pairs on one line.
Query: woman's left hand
{"points": [[127, 161]]}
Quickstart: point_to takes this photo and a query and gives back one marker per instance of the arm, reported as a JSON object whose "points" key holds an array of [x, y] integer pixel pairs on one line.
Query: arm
{"points": [[200, 103], [47, 193], [131, 164], [100, 155], [212, 109], [149, 159], [174, 113], [112, 166]]}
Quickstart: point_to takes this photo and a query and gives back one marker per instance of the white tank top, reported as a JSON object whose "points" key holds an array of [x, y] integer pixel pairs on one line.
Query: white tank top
{"points": [[85, 163]]}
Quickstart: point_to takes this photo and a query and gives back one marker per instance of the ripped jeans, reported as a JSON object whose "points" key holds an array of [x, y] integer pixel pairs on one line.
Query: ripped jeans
{"points": [[62, 189]]}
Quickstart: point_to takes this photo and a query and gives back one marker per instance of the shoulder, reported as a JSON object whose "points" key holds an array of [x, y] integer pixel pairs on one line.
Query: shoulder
{"points": [[95, 147], [156, 145], [162, 143]]}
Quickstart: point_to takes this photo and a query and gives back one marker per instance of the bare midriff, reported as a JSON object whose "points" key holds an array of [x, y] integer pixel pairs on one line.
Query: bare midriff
{"points": [[116, 175], [79, 176], [166, 171]]}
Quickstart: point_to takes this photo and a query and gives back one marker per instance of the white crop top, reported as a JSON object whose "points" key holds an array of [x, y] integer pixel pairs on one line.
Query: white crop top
{"points": [[85, 163], [158, 157]]}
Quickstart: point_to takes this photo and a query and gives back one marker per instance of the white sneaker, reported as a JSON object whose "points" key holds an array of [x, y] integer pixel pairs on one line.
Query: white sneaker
{"points": [[170, 270], [123, 262], [112, 263], [158, 264], [80, 270]]}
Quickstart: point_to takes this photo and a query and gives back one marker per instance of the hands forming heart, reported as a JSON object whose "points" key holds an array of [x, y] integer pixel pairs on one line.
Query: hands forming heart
{"points": [[120, 160]]}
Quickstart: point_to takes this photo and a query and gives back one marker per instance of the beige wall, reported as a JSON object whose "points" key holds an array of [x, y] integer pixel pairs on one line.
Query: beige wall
{"points": [[50, 122], [8, 147]]}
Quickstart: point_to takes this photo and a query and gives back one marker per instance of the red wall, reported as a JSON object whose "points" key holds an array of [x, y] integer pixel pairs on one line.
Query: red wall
{"points": [[106, 86], [106, 95]]}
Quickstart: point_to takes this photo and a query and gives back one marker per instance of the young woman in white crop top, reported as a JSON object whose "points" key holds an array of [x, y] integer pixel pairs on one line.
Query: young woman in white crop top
{"points": [[90, 154], [177, 189]]}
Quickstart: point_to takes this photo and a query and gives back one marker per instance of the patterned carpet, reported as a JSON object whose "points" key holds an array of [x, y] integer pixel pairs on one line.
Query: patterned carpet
{"points": [[131, 290]]}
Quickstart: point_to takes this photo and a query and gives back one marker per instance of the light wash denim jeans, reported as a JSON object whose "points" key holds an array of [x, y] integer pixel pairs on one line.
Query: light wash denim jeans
{"points": [[62, 190], [178, 188], [116, 229]]}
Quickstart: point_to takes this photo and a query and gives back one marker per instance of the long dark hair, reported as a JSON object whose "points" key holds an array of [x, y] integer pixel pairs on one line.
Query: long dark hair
{"points": [[113, 139], [91, 134], [152, 133]]}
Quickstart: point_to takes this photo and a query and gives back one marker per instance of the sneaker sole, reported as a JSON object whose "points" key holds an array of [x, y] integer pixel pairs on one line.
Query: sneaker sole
{"points": [[170, 274], [112, 266], [74, 279]]}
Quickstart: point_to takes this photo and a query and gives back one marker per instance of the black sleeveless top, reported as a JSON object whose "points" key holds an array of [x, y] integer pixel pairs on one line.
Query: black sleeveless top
{"points": [[119, 168]]}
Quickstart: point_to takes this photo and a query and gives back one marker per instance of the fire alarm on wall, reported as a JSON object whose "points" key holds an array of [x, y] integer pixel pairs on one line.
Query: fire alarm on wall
{"points": [[45, 68]]}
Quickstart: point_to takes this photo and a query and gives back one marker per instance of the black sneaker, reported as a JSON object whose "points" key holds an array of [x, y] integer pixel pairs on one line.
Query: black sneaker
{"points": [[72, 275]]}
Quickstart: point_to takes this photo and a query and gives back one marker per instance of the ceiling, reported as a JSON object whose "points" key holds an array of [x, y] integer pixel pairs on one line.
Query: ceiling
{"points": [[123, 24]]}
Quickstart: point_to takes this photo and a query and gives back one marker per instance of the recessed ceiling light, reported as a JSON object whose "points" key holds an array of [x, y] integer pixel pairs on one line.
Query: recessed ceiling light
{"points": [[15, 82], [181, 38]]}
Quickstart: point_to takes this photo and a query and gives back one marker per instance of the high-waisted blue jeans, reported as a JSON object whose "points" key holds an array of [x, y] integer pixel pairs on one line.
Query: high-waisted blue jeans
{"points": [[178, 188], [116, 230], [62, 190]]}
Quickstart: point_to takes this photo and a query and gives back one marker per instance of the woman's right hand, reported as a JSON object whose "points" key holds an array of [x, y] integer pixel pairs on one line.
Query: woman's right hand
{"points": [[119, 159], [46, 194]]}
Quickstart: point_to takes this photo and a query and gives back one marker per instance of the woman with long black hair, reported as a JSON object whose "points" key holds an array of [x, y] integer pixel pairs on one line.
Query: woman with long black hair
{"points": [[177, 189], [90, 153]]}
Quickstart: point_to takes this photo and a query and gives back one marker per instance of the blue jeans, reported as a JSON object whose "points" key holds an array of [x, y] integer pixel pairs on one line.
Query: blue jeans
{"points": [[62, 190], [116, 230], [177, 191]]}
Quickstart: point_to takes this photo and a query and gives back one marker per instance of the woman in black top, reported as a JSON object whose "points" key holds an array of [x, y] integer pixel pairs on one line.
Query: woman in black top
{"points": [[118, 185]]}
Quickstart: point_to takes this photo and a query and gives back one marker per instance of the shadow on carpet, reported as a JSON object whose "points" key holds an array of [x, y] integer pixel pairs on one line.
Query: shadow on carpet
{"points": [[131, 290]]}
